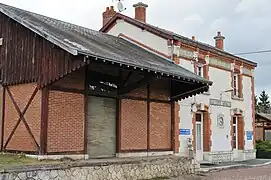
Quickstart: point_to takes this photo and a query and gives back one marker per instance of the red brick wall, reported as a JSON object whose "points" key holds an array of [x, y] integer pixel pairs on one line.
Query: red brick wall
{"points": [[65, 122], [66, 115], [133, 131], [160, 126], [133, 120], [1, 112], [21, 140]]}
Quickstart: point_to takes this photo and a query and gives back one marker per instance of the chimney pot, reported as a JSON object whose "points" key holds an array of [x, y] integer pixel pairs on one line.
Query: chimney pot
{"points": [[108, 14], [219, 41], [140, 11]]}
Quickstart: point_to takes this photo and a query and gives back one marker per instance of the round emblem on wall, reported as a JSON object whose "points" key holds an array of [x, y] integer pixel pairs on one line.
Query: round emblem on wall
{"points": [[220, 121]]}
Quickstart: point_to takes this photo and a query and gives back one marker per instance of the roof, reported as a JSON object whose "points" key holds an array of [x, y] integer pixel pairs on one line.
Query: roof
{"points": [[171, 35], [80, 40], [264, 116]]}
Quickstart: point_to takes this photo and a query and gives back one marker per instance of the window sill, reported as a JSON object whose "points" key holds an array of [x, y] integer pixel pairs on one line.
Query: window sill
{"points": [[237, 98]]}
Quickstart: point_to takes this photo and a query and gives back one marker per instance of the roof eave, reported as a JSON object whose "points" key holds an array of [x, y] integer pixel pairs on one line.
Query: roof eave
{"points": [[163, 73]]}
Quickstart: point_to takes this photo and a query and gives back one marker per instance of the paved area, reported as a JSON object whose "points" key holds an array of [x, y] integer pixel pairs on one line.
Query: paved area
{"points": [[250, 163], [254, 173]]}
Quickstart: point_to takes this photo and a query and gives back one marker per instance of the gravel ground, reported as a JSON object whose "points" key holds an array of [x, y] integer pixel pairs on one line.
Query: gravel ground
{"points": [[256, 173]]}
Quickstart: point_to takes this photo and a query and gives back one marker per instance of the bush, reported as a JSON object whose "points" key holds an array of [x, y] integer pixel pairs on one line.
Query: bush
{"points": [[263, 149], [263, 146]]}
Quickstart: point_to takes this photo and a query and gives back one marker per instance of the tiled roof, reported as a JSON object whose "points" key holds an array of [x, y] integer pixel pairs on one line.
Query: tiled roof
{"points": [[80, 40], [169, 34]]}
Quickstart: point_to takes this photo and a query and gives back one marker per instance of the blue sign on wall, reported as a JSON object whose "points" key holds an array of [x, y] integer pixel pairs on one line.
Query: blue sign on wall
{"points": [[184, 131], [249, 135]]}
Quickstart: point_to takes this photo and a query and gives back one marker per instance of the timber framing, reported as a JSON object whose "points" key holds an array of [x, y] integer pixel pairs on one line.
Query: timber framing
{"points": [[44, 121], [21, 117]]}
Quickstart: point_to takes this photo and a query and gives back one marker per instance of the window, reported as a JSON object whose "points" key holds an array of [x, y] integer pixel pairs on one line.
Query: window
{"points": [[234, 133], [199, 69], [235, 85]]}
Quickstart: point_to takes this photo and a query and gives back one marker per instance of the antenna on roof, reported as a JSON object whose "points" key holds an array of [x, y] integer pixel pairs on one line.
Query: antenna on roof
{"points": [[120, 5]]}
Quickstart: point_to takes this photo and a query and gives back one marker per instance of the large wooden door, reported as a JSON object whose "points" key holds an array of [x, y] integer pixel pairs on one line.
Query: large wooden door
{"points": [[101, 127]]}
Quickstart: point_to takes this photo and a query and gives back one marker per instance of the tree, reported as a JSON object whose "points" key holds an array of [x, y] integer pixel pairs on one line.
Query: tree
{"points": [[264, 104], [257, 108]]}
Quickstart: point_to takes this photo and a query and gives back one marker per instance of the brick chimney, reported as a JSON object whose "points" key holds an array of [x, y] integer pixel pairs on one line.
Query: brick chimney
{"points": [[108, 14], [140, 11], [219, 41]]}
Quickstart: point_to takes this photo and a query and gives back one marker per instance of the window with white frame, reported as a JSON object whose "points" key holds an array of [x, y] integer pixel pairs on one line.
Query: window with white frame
{"points": [[235, 84]]}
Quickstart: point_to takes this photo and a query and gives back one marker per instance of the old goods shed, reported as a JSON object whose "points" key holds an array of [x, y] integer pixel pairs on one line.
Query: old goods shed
{"points": [[69, 90]]}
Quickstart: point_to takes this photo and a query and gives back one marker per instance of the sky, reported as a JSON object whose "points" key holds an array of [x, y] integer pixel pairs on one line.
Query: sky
{"points": [[246, 24]]}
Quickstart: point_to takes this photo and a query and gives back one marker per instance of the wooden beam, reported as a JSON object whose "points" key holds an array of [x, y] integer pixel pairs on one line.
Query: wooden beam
{"points": [[64, 89], [21, 117], [3, 118], [148, 118], [127, 79], [101, 77], [146, 80], [118, 117], [44, 121]]}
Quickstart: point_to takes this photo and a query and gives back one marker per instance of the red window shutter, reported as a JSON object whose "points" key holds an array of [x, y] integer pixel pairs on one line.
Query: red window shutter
{"points": [[206, 132], [240, 127]]}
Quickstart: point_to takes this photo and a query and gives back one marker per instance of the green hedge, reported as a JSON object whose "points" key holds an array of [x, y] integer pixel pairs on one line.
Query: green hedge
{"points": [[263, 149]]}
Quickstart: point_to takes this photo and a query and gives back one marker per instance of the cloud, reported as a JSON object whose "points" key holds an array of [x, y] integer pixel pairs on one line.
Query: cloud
{"points": [[246, 24]]}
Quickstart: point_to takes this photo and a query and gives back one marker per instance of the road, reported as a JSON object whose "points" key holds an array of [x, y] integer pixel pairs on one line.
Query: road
{"points": [[256, 173]]}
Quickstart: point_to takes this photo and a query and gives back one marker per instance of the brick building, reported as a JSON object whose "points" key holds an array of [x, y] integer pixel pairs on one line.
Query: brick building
{"points": [[69, 90], [221, 122]]}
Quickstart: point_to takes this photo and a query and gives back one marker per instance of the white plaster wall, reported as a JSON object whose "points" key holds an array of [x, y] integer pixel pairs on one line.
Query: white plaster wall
{"points": [[140, 35], [248, 111], [221, 137]]}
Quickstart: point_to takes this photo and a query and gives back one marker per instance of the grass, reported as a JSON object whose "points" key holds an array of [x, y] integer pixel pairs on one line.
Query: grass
{"points": [[13, 160]]}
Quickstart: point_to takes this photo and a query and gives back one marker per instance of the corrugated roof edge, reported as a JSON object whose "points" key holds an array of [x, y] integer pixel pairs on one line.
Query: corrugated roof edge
{"points": [[168, 34]]}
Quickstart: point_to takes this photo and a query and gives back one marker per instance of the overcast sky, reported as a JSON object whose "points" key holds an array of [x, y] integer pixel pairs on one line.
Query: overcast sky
{"points": [[246, 24]]}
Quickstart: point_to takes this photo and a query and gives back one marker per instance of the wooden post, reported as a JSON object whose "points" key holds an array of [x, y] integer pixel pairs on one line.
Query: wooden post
{"points": [[44, 121]]}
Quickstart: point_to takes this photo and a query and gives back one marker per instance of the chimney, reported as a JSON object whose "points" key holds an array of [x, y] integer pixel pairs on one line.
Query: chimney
{"points": [[219, 41], [140, 11], [108, 14]]}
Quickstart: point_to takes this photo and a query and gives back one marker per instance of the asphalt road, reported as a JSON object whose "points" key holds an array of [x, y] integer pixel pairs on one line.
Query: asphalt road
{"points": [[256, 173]]}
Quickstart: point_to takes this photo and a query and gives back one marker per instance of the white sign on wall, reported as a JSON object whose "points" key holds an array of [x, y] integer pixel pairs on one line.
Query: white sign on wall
{"points": [[220, 121]]}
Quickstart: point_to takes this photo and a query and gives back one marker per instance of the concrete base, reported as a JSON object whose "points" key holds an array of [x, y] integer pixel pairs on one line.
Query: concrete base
{"points": [[144, 154], [229, 156], [57, 157]]}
